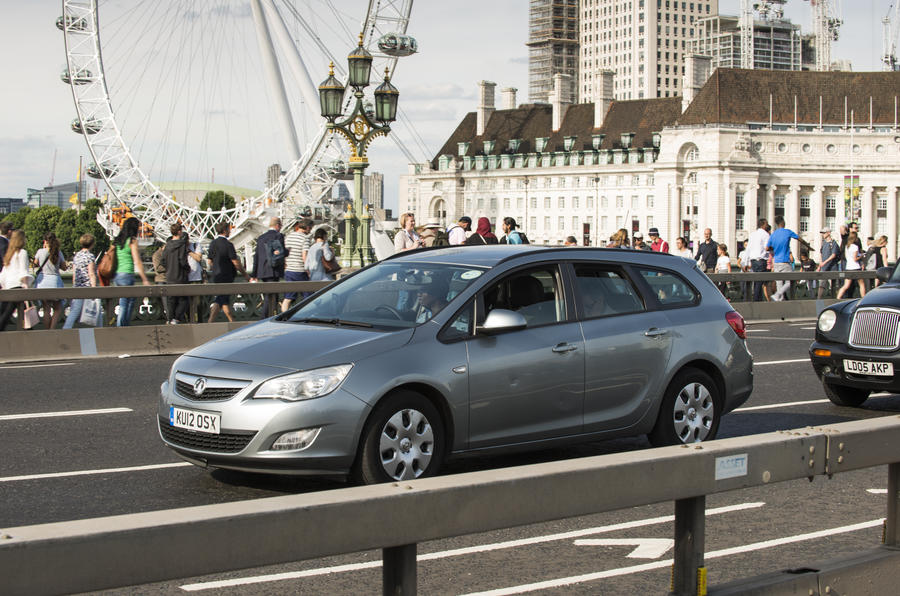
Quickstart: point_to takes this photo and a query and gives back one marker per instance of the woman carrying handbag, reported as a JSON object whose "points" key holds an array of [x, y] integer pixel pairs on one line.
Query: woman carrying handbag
{"points": [[15, 274], [49, 260]]}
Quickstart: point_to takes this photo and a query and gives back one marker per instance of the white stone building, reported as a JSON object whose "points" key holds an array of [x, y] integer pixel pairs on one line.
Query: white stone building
{"points": [[739, 144]]}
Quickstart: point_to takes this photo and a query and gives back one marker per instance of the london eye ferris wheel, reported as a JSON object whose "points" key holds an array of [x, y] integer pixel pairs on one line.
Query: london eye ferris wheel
{"points": [[214, 93]]}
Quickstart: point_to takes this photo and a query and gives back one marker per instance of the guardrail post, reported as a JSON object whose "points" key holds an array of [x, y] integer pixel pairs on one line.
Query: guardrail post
{"points": [[398, 570], [892, 524], [688, 572]]}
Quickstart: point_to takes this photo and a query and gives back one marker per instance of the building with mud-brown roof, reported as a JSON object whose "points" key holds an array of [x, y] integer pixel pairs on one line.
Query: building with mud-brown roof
{"points": [[819, 148]]}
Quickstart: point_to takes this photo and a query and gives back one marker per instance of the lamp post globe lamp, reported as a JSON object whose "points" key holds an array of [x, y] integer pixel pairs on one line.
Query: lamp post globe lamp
{"points": [[331, 96], [386, 98], [360, 66]]}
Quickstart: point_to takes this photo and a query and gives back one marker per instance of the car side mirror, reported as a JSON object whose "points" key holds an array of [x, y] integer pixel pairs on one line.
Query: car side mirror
{"points": [[884, 274], [501, 320]]}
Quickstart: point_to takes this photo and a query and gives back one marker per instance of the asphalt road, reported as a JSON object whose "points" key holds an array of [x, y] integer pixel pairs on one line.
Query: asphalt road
{"points": [[95, 452]]}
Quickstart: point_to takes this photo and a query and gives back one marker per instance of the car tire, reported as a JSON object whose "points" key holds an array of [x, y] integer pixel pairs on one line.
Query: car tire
{"points": [[403, 439], [690, 411], [845, 396]]}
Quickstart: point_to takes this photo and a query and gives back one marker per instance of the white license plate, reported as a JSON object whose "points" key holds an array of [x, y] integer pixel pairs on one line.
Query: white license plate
{"points": [[863, 367], [202, 422]]}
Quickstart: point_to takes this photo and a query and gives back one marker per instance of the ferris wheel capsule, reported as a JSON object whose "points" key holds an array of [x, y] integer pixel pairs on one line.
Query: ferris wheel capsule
{"points": [[91, 127], [104, 170], [396, 45], [72, 23], [82, 77]]}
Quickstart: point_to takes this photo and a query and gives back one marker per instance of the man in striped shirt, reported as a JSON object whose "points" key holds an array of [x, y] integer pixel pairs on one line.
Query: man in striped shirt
{"points": [[297, 244]]}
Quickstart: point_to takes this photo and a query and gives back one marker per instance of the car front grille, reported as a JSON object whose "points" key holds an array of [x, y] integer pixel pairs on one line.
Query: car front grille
{"points": [[875, 329], [213, 388], [233, 442], [186, 390]]}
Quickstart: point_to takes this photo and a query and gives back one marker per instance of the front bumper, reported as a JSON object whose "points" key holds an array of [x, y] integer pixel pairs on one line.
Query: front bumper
{"points": [[830, 369], [249, 427]]}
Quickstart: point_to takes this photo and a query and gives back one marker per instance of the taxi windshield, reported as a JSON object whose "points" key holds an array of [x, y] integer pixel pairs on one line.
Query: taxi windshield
{"points": [[388, 296]]}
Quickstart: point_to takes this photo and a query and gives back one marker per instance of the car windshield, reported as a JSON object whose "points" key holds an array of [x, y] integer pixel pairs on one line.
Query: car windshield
{"points": [[389, 295]]}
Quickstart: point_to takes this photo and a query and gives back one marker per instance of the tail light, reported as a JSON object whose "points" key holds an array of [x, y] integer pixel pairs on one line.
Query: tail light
{"points": [[736, 322]]}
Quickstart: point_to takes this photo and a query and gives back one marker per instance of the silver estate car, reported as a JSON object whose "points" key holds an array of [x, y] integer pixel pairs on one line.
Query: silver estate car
{"points": [[437, 352]]}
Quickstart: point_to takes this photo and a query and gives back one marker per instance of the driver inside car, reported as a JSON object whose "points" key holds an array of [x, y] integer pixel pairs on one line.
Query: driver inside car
{"points": [[432, 298]]}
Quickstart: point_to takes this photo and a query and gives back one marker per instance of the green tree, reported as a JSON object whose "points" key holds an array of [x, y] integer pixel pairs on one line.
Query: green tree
{"points": [[67, 232], [18, 218], [87, 224], [37, 223], [217, 200]]}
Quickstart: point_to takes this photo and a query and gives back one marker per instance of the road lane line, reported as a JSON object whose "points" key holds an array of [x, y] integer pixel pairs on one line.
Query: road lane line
{"points": [[91, 472], [579, 579], [37, 365], [784, 405], [806, 339], [781, 362], [65, 413], [243, 581], [757, 330], [877, 491]]}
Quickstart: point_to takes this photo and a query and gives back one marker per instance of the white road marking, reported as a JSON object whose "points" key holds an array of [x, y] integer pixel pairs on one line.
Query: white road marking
{"points": [[65, 413], [877, 491], [90, 472], [781, 361], [243, 581], [578, 579], [647, 548], [757, 330], [768, 337], [808, 328], [37, 365], [784, 405]]}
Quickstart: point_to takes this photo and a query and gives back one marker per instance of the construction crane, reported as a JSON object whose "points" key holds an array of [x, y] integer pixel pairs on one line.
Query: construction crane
{"points": [[768, 10], [890, 32], [826, 24]]}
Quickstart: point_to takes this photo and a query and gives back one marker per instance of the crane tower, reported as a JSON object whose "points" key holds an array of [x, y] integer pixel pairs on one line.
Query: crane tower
{"points": [[826, 24], [768, 10], [891, 31]]}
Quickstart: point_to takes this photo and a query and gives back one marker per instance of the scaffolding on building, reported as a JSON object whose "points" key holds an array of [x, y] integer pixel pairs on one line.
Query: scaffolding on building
{"points": [[552, 46]]}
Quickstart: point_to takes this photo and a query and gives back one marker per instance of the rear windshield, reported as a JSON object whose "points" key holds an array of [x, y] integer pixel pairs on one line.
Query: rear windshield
{"points": [[389, 295]]}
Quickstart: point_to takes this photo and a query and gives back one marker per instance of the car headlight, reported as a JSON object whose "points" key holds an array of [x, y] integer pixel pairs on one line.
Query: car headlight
{"points": [[827, 320], [304, 385]]}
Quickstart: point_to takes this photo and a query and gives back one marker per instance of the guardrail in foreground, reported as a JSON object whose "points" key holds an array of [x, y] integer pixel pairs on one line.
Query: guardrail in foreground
{"points": [[96, 554]]}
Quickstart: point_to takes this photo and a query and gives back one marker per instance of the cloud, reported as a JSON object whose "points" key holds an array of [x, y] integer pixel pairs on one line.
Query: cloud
{"points": [[439, 91], [430, 111]]}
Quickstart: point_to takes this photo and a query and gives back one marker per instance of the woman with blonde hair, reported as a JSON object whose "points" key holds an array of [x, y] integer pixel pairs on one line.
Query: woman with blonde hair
{"points": [[407, 238], [14, 274]]}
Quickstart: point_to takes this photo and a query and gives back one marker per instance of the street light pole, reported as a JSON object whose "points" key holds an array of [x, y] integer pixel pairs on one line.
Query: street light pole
{"points": [[358, 129]]}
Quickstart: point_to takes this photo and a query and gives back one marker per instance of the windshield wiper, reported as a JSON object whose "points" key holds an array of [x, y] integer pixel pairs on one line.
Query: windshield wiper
{"points": [[335, 322]]}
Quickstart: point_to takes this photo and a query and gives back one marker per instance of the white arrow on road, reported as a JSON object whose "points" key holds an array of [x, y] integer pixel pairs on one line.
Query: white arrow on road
{"points": [[647, 548]]}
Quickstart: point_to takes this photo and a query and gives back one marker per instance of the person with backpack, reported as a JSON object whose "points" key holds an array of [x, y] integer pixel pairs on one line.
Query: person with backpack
{"points": [[512, 235], [268, 262], [432, 234], [457, 233]]}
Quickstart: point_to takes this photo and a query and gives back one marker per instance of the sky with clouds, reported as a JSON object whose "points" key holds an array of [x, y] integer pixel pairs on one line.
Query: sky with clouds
{"points": [[460, 43]]}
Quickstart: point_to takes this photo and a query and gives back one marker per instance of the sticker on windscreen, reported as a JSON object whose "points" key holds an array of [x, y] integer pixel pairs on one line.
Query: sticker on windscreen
{"points": [[472, 274]]}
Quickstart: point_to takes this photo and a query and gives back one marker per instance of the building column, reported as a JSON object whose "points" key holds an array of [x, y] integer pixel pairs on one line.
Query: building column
{"points": [[817, 211], [751, 202], [675, 211], [792, 208], [892, 222], [770, 204], [867, 213]]}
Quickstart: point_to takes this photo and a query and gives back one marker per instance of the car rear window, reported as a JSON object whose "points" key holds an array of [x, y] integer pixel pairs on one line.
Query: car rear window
{"points": [[605, 292], [670, 289]]}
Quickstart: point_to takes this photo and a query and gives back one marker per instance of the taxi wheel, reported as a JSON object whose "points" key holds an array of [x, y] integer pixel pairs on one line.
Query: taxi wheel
{"points": [[403, 439], [690, 410], [845, 396]]}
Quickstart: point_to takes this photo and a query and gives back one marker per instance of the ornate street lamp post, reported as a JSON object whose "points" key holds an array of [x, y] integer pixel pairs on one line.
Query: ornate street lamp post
{"points": [[359, 128]]}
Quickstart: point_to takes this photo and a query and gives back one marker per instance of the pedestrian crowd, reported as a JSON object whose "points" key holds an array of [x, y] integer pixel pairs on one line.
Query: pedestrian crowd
{"points": [[301, 256]]}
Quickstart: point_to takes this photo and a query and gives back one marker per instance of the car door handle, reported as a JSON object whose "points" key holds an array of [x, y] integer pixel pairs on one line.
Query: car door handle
{"points": [[654, 332], [564, 347]]}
